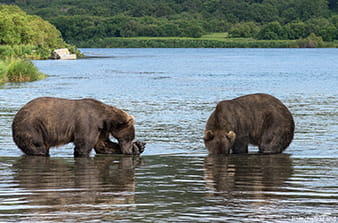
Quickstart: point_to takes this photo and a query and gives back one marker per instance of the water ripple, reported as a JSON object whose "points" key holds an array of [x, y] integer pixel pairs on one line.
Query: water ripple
{"points": [[172, 92]]}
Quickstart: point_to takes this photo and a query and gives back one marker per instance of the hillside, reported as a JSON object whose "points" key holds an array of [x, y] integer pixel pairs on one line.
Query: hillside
{"points": [[22, 37], [84, 20]]}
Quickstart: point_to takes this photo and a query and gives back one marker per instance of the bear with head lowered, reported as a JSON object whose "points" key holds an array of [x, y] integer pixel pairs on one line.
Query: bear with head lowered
{"points": [[48, 122], [257, 119]]}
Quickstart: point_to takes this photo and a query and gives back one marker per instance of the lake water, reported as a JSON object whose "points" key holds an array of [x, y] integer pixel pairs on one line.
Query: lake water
{"points": [[172, 92]]}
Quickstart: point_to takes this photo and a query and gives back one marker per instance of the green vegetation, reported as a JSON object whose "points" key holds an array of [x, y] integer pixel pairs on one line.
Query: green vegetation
{"points": [[24, 37], [163, 42], [15, 70], [214, 40], [87, 22], [27, 36], [19, 28], [3, 72]]}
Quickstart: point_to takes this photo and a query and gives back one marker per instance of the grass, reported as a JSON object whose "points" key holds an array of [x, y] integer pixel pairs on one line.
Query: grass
{"points": [[183, 42], [14, 66], [3, 72], [212, 40], [215, 36], [17, 70]]}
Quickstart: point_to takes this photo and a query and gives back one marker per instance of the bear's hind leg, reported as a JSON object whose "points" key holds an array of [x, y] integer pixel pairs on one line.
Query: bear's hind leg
{"points": [[270, 143], [32, 146]]}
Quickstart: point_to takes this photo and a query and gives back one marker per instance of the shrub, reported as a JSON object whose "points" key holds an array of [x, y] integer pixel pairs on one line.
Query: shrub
{"points": [[312, 41], [244, 30], [296, 30], [22, 70], [272, 31], [6, 52]]}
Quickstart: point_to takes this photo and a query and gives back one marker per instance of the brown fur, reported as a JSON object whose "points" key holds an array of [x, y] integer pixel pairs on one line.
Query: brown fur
{"points": [[109, 147], [258, 119], [48, 122]]}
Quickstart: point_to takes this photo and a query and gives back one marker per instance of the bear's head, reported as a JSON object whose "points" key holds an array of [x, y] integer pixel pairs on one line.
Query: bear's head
{"points": [[219, 141], [124, 132]]}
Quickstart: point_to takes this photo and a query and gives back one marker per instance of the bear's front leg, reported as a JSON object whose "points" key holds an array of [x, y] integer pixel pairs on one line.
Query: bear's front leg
{"points": [[240, 147], [83, 147]]}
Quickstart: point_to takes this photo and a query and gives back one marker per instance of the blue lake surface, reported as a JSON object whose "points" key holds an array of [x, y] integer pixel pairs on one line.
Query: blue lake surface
{"points": [[172, 92]]}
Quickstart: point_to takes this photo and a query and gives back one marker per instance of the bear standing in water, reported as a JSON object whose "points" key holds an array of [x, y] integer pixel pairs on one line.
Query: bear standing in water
{"points": [[47, 122], [257, 119]]}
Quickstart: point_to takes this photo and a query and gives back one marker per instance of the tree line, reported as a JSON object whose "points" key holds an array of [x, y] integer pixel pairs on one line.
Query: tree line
{"points": [[327, 29], [259, 19], [230, 10]]}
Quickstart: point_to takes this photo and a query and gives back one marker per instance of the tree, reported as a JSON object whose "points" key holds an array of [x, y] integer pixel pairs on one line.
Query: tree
{"points": [[245, 30], [189, 28], [296, 30], [83, 20], [162, 9], [333, 4], [272, 31], [14, 26], [263, 13], [316, 24], [43, 33], [169, 29], [19, 28], [329, 33], [130, 29], [312, 9]]}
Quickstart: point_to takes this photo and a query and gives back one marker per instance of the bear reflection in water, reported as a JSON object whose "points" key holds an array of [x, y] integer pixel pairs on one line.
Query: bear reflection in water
{"points": [[246, 176], [70, 184]]}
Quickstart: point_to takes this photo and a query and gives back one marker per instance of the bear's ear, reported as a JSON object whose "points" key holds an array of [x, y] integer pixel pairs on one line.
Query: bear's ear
{"points": [[208, 135], [231, 136], [131, 120]]}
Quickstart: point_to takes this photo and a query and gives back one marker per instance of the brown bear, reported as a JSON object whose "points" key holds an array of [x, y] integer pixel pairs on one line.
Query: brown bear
{"points": [[257, 119], [48, 122]]}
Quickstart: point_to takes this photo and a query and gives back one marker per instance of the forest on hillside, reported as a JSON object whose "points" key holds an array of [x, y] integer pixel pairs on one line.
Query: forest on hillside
{"points": [[81, 20], [27, 36], [24, 36]]}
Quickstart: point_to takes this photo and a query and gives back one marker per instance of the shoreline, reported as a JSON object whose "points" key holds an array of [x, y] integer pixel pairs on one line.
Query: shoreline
{"points": [[183, 42]]}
